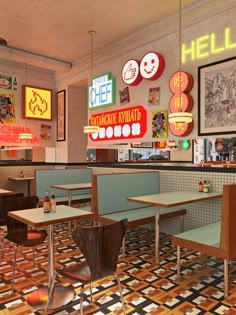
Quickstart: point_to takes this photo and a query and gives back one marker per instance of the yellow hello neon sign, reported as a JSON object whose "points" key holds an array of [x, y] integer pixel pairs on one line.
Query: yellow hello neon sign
{"points": [[206, 45]]}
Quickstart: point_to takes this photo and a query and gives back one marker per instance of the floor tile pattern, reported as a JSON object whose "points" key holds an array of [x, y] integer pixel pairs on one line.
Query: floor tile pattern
{"points": [[147, 288]]}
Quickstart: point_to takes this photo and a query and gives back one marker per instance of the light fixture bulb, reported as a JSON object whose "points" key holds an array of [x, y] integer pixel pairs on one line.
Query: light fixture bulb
{"points": [[91, 129], [180, 117], [25, 136]]}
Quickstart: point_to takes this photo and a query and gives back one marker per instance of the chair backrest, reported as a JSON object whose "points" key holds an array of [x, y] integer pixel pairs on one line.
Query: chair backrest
{"points": [[100, 246], [14, 204], [3, 220], [228, 219]]}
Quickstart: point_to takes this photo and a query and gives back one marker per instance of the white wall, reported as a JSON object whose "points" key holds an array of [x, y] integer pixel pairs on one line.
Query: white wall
{"points": [[163, 37], [35, 77]]}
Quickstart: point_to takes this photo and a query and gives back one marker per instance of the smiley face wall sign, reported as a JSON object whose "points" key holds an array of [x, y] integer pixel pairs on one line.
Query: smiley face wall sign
{"points": [[150, 68]]}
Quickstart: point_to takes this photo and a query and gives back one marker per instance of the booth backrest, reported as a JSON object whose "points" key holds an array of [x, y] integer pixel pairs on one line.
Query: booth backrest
{"points": [[228, 220], [45, 178], [110, 191]]}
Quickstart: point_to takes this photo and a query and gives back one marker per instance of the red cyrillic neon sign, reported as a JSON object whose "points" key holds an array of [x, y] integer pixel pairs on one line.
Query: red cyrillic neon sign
{"points": [[128, 123], [9, 134]]}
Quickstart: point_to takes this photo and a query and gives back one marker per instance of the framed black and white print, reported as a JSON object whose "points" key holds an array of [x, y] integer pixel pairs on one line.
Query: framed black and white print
{"points": [[217, 98]]}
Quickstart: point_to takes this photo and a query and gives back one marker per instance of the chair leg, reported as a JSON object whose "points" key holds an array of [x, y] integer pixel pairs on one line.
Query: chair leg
{"points": [[120, 290], [178, 262], [226, 280], [34, 255], [81, 299], [14, 271], [181, 223], [123, 247], [2, 248], [50, 292], [91, 293]]}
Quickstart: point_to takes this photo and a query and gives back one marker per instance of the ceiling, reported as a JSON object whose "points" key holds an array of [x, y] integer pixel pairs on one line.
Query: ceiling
{"points": [[59, 29]]}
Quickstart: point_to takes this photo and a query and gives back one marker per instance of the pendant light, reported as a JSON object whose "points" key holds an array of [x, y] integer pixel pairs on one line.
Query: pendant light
{"points": [[180, 117], [91, 128], [26, 135]]}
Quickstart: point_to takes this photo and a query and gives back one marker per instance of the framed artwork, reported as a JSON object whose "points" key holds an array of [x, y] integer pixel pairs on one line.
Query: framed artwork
{"points": [[217, 98], [142, 145], [36, 103], [7, 108], [61, 115], [159, 124]]}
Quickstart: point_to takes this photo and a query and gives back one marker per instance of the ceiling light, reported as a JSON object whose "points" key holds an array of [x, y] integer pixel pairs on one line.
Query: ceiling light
{"points": [[91, 129], [180, 117], [25, 136]]}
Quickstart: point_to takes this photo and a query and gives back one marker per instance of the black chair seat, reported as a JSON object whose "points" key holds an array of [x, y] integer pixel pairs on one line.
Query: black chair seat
{"points": [[30, 239]]}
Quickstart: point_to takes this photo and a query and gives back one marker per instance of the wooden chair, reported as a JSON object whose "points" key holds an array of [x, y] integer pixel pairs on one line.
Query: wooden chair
{"points": [[18, 232], [100, 246], [3, 221], [217, 239]]}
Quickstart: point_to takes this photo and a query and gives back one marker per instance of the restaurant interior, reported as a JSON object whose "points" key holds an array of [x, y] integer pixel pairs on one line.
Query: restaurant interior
{"points": [[126, 111]]}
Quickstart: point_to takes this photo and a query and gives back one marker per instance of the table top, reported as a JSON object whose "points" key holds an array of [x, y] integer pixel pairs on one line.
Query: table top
{"points": [[21, 178], [5, 192], [78, 186], [36, 217], [176, 198]]}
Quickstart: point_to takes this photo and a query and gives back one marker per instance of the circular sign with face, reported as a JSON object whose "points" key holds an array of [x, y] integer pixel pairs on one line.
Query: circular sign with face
{"points": [[152, 65], [130, 73]]}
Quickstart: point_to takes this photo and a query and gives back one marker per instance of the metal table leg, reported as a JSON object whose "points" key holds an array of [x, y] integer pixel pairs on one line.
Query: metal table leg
{"points": [[61, 295]]}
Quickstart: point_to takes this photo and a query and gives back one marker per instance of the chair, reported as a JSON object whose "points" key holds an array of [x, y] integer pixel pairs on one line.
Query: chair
{"points": [[3, 221], [216, 239], [100, 246], [18, 232]]}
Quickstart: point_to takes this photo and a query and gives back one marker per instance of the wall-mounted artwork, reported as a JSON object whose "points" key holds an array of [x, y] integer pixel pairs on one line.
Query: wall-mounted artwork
{"points": [[61, 115], [154, 96], [7, 108], [159, 124], [36, 103], [124, 96], [217, 97]]}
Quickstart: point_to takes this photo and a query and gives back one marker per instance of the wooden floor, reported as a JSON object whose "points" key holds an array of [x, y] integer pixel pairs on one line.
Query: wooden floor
{"points": [[147, 288]]}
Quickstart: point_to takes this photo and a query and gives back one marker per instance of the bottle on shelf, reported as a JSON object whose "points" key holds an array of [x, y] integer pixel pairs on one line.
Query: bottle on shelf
{"points": [[53, 202], [46, 203], [200, 185]]}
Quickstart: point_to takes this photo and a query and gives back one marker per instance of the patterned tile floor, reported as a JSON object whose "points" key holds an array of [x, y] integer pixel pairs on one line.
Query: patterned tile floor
{"points": [[147, 288]]}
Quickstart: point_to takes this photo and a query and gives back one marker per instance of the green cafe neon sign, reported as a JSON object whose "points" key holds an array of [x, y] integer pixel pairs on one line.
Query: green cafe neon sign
{"points": [[206, 45]]}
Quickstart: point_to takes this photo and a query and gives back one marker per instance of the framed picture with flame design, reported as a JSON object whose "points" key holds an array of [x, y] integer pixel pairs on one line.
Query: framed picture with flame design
{"points": [[61, 115], [36, 103]]}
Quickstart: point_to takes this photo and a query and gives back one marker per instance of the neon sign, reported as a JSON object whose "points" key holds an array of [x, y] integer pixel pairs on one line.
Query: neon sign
{"points": [[181, 83], [102, 91], [128, 123], [206, 45], [10, 134], [37, 103], [150, 68]]}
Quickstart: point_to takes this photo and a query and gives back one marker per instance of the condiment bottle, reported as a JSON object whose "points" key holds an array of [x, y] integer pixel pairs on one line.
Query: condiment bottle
{"points": [[205, 186], [200, 186], [46, 203], [53, 202]]}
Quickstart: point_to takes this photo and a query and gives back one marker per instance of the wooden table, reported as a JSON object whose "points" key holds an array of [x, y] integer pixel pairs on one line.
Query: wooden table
{"points": [[171, 199], [37, 218], [69, 188], [23, 179], [4, 192]]}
